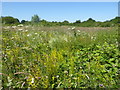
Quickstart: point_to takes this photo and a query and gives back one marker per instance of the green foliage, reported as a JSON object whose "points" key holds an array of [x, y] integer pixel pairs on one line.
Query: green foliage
{"points": [[35, 19], [116, 20], [9, 20], [65, 22], [23, 22], [56, 58], [78, 21]]}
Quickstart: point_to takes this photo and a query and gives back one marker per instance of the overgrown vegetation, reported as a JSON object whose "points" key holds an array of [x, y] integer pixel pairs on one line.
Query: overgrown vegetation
{"points": [[9, 20], [60, 57], [89, 23]]}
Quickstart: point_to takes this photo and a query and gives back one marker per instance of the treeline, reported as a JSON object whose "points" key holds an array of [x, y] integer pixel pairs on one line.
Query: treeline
{"points": [[35, 20]]}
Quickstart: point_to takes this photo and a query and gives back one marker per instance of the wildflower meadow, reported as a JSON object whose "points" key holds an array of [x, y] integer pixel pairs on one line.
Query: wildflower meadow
{"points": [[60, 57]]}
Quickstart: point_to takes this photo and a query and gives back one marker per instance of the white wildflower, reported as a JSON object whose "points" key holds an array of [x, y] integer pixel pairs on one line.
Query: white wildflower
{"points": [[57, 76], [87, 76], [26, 30], [7, 27], [36, 33], [78, 30], [68, 28], [28, 35], [80, 67], [26, 26], [93, 37], [65, 72], [12, 37], [32, 80], [20, 29], [71, 75], [52, 40], [20, 25], [73, 28], [46, 76], [14, 27], [74, 78]]}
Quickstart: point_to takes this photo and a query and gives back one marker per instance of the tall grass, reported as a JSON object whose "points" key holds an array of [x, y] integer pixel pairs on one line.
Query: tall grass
{"points": [[60, 57]]}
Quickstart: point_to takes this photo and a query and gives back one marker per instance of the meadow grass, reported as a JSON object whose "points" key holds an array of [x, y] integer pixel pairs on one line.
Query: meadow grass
{"points": [[60, 57]]}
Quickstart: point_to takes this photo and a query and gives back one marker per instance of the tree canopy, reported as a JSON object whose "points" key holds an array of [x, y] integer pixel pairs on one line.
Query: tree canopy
{"points": [[9, 20], [88, 23], [35, 19]]}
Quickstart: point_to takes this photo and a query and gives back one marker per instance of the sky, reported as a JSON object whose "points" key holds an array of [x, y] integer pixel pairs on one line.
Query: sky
{"points": [[60, 11], [60, 0]]}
